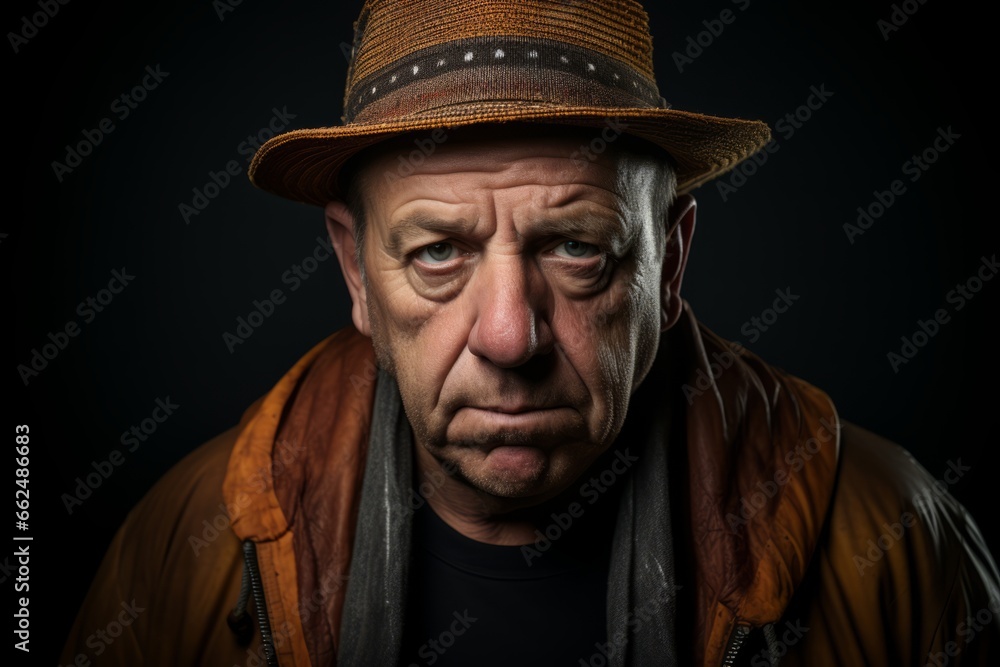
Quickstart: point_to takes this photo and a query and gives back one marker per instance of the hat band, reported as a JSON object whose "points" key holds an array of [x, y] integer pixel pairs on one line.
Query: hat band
{"points": [[498, 69]]}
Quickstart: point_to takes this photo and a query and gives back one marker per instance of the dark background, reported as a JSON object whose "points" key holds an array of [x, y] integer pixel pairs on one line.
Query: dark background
{"points": [[162, 336]]}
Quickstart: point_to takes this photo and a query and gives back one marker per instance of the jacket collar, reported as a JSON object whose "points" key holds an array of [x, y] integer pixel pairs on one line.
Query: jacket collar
{"points": [[761, 457]]}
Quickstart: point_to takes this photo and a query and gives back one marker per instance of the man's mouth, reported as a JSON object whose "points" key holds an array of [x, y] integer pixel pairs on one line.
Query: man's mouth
{"points": [[513, 408], [531, 425]]}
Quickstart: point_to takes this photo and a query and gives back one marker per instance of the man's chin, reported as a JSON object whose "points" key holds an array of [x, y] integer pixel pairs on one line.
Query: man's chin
{"points": [[510, 471]]}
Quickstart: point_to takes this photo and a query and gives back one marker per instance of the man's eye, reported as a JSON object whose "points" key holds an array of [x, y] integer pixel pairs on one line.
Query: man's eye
{"points": [[437, 253], [575, 249]]}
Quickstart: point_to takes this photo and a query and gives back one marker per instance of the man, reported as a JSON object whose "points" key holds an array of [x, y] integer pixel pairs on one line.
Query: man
{"points": [[526, 448]]}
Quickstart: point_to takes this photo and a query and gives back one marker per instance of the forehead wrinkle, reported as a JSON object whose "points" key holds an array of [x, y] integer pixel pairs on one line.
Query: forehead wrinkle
{"points": [[637, 186], [414, 224]]}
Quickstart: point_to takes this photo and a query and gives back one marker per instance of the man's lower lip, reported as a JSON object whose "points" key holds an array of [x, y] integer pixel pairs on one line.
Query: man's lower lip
{"points": [[514, 459]]}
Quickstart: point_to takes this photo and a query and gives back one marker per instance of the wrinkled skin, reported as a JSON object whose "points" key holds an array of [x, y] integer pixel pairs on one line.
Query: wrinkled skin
{"points": [[517, 295]]}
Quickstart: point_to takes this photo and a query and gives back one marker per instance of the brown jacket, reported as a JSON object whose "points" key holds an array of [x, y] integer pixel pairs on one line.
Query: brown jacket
{"points": [[835, 541]]}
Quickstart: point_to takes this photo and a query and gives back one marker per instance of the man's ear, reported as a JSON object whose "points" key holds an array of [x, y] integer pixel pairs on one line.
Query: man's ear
{"points": [[340, 225], [680, 223]]}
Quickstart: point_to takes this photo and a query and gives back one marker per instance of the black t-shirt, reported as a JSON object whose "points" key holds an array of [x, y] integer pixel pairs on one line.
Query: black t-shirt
{"points": [[472, 603]]}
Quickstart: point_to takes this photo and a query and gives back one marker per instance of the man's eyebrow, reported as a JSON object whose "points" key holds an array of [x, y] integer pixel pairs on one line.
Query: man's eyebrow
{"points": [[416, 224], [609, 231]]}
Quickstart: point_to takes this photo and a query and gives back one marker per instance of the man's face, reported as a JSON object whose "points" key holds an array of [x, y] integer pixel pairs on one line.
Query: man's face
{"points": [[514, 293]]}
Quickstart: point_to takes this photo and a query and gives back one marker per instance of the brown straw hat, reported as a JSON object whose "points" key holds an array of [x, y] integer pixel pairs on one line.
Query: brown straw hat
{"points": [[419, 65]]}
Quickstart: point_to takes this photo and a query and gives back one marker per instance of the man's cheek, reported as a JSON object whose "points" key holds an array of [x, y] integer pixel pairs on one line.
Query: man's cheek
{"points": [[610, 303], [582, 324], [627, 345], [575, 333], [425, 354], [596, 346], [594, 337], [404, 308], [399, 315]]}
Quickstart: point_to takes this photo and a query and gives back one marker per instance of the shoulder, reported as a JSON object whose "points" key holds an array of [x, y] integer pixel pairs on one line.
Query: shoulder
{"points": [[174, 563], [176, 508], [902, 569], [189, 495], [879, 478], [881, 485]]}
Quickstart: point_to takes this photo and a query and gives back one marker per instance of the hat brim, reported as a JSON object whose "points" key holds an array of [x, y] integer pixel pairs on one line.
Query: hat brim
{"points": [[305, 165]]}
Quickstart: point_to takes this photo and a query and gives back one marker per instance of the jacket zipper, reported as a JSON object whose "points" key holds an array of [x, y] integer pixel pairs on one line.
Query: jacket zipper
{"points": [[736, 640], [266, 639]]}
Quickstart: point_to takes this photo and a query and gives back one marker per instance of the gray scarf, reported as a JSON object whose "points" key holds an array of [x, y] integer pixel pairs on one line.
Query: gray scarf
{"points": [[641, 585]]}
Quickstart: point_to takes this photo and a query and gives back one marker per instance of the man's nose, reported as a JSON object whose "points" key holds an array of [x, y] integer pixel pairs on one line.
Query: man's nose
{"points": [[511, 326]]}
